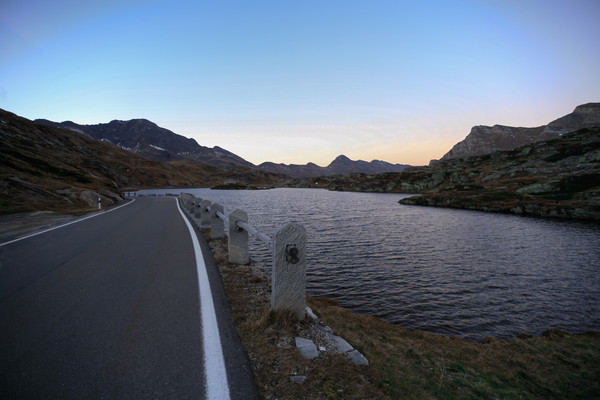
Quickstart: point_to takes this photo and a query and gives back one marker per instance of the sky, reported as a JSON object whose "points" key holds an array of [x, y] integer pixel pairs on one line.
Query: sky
{"points": [[299, 81]]}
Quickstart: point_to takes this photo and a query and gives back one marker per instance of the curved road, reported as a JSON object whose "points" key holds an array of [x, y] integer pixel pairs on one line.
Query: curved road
{"points": [[110, 307]]}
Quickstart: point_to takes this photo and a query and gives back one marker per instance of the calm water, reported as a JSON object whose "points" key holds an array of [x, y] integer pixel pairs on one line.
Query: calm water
{"points": [[453, 272]]}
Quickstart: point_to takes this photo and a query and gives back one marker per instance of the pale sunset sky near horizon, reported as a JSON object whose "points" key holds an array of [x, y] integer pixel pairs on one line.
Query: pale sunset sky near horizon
{"points": [[303, 81]]}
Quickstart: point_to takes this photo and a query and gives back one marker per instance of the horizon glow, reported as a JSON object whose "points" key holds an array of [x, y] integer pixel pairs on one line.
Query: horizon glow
{"points": [[303, 82]]}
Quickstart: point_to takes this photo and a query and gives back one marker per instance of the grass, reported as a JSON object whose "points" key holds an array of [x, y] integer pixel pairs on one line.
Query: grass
{"points": [[414, 364], [403, 364]]}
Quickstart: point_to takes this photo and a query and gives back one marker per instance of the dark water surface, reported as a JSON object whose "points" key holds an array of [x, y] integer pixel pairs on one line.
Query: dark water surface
{"points": [[458, 273]]}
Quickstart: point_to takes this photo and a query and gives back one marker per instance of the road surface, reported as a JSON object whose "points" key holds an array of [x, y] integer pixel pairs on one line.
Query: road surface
{"points": [[110, 307]]}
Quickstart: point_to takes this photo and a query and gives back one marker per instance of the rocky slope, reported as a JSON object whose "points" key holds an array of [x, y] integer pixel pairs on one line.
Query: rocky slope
{"points": [[555, 178], [487, 139], [341, 165], [48, 168], [149, 140]]}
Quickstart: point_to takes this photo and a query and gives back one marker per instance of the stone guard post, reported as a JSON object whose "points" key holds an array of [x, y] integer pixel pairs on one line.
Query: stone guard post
{"points": [[189, 203], [197, 207], [288, 289], [205, 213], [217, 225], [238, 239]]}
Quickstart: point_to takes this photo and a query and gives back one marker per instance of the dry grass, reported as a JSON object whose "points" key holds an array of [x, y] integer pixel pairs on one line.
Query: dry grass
{"points": [[414, 364], [403, 364]]}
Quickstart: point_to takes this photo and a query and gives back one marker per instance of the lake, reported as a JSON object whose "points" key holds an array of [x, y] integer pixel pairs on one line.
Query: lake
{"points": [[457, 273]]}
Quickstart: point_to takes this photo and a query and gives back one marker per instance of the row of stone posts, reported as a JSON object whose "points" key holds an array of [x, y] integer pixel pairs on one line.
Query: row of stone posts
{"points": [[288, 245]]}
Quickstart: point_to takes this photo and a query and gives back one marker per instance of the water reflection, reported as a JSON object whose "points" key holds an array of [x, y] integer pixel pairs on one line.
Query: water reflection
{"points": [[454, 272]]}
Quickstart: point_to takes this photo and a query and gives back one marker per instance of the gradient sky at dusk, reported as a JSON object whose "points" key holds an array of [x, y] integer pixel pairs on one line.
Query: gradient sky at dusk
{"points": [[300, 81]]}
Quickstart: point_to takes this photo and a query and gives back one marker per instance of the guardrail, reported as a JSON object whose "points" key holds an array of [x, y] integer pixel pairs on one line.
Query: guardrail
{"points": [[288, 246]]}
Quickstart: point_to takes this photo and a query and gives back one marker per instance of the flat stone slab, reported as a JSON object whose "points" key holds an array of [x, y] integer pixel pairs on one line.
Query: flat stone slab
{"points": [[307, 348], [298, 378], [340, 344]]}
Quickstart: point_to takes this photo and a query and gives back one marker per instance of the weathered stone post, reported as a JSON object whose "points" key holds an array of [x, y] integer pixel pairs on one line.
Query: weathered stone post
{"points": [[217, 225], [288, 289], [205, 213], [197, 207], [238, 238], [190, 204], [185, 200]]}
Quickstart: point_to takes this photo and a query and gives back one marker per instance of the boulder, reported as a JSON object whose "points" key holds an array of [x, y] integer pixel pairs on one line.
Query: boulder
{"points": [[307, 348]]}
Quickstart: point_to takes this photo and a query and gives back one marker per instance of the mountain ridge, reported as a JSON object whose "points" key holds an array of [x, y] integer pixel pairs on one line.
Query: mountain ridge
{"points": [[341, 165], [557, 178], [485, 139], [56, 169], [146, 138]]}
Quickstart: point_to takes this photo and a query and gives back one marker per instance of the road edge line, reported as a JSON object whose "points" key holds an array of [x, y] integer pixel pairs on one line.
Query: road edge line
{"points": [[217, 385]]}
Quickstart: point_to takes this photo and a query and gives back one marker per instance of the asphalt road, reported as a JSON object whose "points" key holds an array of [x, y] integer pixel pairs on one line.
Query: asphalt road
{"points": [[110, 307]]}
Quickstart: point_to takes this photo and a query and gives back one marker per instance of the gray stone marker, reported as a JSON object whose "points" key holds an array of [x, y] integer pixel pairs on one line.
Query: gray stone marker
{"points": [[205, 213], [192, 206], [238, 239], [288, 290], [184, 201], [197, 207], [217, 225]]}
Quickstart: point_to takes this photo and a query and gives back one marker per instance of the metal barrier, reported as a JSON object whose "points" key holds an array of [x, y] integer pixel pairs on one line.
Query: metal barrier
{"points": [[288, 246]]}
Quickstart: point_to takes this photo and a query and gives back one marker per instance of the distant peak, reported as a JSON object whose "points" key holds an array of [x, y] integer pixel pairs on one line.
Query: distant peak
{"points": [[341, 160]]}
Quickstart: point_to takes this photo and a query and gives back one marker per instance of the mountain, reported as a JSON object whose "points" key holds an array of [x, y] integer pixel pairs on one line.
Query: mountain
{"points": [[554, 178], [340, 166], [149, 140], [487, 139], [49, 168]]}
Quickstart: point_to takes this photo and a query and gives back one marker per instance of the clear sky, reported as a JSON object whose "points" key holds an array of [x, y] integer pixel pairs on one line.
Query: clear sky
{"points": [[303, 80]]}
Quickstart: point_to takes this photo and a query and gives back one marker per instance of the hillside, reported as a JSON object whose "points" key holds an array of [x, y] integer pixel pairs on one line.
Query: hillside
{"points": [[555, 178], [487, 139], [48, 168], [149, 140]]}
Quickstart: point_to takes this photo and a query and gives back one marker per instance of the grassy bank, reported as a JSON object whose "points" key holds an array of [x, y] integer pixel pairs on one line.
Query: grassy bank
{"points": [[402, 363], [414, 364]]}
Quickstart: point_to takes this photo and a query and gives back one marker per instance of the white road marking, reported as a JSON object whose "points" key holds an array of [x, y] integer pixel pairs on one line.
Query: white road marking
{"points": [[68, 223], [217, 386]]}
